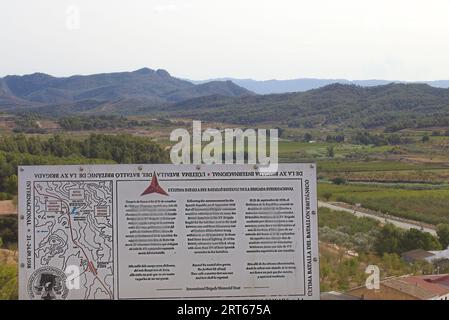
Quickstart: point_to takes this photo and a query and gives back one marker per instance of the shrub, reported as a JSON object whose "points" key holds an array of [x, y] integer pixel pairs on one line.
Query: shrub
{"points": [[443, 234], [338, 180], [8, 282]]}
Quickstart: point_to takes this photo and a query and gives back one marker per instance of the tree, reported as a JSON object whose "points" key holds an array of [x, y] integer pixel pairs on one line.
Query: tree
{"points": [[416, 239], [330, 151], [388, 240], [8, 230], [443, 234], [307, 137], [338, 180], [10, 184], [1, 242], [425, 138]]}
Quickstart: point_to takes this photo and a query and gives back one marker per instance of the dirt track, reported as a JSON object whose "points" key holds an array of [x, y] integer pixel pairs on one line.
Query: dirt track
{"points": [[400, 223], [8, 256], [7, 207]]}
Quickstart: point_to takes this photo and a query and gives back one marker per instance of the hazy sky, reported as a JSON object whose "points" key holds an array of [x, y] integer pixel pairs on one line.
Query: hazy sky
{"points": [[200, 39]]}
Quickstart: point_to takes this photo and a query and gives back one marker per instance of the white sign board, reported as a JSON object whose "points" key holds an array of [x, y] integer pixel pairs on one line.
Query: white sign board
{"points": [[168, 232]]}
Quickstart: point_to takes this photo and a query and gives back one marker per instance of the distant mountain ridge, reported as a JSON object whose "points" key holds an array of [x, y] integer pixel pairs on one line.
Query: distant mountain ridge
{"points": [[144, 86], [305, 84], [395, 106], [155, 92]]}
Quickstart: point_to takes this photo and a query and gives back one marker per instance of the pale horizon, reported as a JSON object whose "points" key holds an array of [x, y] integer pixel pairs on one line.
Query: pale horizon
{"points": [[225, 77], [401, 40]]}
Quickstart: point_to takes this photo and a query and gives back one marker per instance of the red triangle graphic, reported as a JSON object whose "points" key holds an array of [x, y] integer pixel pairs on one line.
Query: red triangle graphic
{"points": [[154, 187]]}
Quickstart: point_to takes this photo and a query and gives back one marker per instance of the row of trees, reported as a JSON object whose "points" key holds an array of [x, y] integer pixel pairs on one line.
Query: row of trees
{"points": [[18, 150], [422, 122], [75, 123], [95, 122], [366, 138], [394, 240], [27, 123], [119, 148]]}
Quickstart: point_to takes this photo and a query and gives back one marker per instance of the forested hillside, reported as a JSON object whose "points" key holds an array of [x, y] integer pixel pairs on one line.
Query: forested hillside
{"points": [[16, 150], [142, 87], [394, 106]]}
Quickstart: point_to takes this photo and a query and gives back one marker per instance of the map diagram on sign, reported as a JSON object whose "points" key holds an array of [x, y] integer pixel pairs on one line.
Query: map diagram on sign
{"points": [[73, 227]]}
